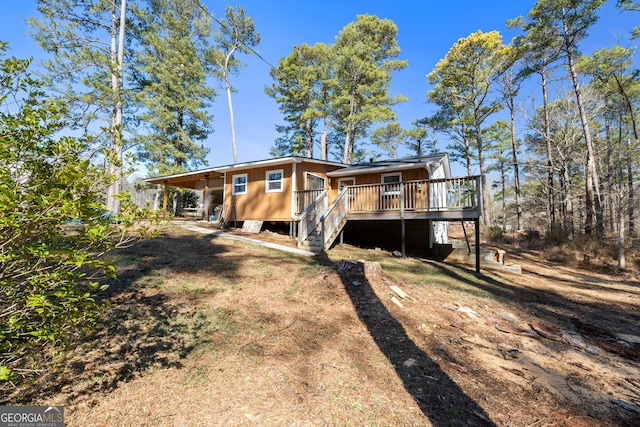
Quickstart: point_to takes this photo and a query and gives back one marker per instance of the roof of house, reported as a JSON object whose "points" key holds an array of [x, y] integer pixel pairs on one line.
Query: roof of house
{"points": [[200, 174], [428, 162]]}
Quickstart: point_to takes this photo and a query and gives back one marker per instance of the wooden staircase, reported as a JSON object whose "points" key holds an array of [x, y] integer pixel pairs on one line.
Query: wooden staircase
{"points": [[313, 242], [326, 227]]}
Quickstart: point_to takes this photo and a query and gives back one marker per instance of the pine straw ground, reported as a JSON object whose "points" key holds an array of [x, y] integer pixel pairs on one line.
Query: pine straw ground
{"points": [[205, 332]]}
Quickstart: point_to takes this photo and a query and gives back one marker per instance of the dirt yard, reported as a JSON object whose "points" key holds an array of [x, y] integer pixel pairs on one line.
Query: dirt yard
{"points": [[207, 332]]}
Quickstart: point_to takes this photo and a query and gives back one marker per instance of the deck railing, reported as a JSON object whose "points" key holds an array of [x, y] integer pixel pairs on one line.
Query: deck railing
{"points": [[310, 217], [423, 195], [333, 218], [304, 198]]}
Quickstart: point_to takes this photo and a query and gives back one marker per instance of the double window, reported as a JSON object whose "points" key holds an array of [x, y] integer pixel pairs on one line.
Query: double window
{"points": [[273, 181]]}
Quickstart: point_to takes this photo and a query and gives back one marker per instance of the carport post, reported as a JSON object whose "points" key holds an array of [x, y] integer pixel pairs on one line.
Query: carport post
{"points": [[164, 200], [205, 198]]}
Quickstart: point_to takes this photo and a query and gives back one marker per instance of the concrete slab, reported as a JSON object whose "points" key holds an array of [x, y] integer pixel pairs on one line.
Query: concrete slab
{"points": [[215, 233]]}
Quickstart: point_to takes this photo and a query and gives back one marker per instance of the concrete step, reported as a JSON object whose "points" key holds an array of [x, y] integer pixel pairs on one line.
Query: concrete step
{"points": [[311, 248]]}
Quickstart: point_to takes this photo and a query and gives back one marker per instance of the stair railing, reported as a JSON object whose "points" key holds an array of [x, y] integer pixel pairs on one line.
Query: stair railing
{"points": [[334, 216], [310, 218]]}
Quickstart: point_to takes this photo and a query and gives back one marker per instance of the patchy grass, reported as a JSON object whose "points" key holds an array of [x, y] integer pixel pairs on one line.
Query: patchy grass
{"points": [[203, 331]]}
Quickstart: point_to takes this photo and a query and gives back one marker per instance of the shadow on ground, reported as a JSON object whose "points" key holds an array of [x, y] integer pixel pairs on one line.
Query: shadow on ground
{"points": [[142, 327], [437, 395], [558, 308]]}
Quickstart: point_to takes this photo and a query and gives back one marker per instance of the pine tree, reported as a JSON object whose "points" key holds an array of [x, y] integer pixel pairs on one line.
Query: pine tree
{"points": [[365, 58], [302, 82], [86, 39], [561, 24], [171, 85], [463, 82]]}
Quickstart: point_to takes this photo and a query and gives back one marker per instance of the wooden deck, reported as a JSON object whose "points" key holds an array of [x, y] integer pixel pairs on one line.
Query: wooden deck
{"points": [[438, 199], [447, 199]]}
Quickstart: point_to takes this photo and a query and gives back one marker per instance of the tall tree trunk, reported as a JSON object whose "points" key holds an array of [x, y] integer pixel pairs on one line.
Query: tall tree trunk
{"points": [[467, 153], [516, 167], [630, 148], [630, 180], [621, 202], [157, 198], [593, 203], [503, 181], [568, 203], [227, 87], [609, 160], [117, 68], [346, 158], [231, 119], [547, 137], [323, 141], [349, 137], [486, 217], [308, 127], [177, 202]]}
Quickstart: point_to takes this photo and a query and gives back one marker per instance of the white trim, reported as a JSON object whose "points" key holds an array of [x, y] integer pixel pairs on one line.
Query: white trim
{"points": [[294, 188], [384, 175], [233, 184], [267, 181]]}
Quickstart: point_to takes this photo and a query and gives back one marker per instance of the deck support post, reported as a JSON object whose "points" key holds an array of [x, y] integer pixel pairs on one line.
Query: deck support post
{"points": [[403, 245], [164, 200], [404, 253], [466, 238], [477, 224], [206, 205]]}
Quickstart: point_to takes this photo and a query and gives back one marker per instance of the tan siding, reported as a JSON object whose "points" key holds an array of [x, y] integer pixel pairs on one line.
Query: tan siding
{"points": [[314, 168], [257, 204], [376, 178]]}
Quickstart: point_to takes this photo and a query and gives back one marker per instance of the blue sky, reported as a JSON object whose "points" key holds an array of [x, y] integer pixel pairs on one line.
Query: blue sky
{"points": [[426, 31]]}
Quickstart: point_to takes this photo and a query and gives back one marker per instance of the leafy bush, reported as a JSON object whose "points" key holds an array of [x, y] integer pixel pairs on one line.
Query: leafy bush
{"points": [[49, 267]]}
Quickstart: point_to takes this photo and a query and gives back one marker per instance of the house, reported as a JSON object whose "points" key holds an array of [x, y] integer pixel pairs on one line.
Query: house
{"points": [[414, 196], [264, 190]]}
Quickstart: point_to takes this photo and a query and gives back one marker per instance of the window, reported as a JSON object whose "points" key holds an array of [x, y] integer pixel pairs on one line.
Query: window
{"points": [[314, 182], [392, 181], [346, 182], [274, 181], [239, 184]]}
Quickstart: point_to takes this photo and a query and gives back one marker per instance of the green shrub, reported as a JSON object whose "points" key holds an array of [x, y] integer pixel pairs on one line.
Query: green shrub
{"points": [[53, 227]]}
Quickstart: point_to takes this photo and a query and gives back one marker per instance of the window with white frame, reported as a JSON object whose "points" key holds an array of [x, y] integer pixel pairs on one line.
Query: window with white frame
{"points": [[346, 182], [314, 182], [391, 183], [239, 184], [273, 181]]}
